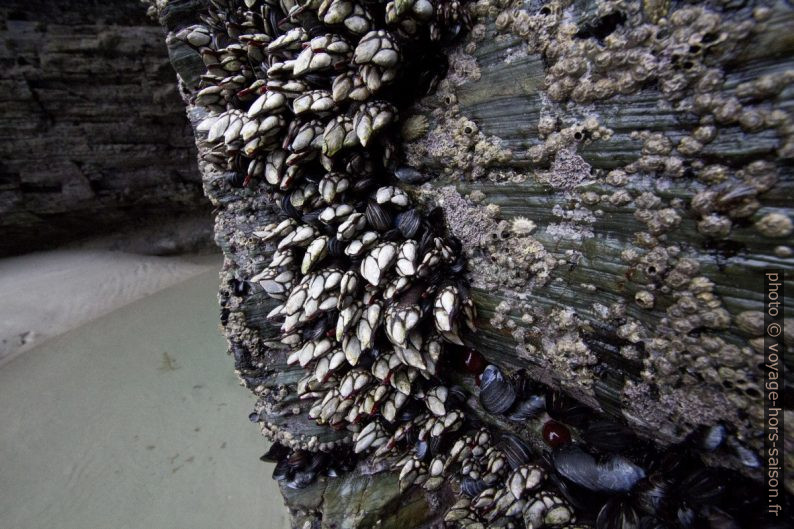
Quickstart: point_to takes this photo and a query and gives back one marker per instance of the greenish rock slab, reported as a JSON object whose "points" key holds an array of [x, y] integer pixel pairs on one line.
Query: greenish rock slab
{"points": [[358, 501]]}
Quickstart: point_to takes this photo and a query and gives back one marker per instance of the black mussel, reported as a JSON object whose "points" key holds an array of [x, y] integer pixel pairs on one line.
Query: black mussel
{"points": [[527, 408], [457, 247], [225, 316], [607, 436], [748, 458], [302, 479], [472, 487], [436, 444], [275, 453], [319, 462], [457, 396], [410, 410], [515, 450], [615, 474], [422, 450], [282, 470], [364, 185], [408, 222], [617, 513], [288, 209], [496, 391], [700, 487], [235, 179], [320, 327], [253, 416], [316, 79], [565, 409], [437, 219], [242, 356], [336, 248], [299, 459], [240, 287], [378, 216], [312, 217], [409, 175], [686, 516], [651, 494], [393, 235], [458, 265], [709, 438]]}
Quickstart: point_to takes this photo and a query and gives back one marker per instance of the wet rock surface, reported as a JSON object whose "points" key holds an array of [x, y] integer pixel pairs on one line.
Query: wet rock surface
{"points": [[94, 134], [594, 223]]}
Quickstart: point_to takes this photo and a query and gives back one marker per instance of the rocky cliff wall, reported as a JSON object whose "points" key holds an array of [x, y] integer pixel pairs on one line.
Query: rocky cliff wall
{"points": [[93, 135]]}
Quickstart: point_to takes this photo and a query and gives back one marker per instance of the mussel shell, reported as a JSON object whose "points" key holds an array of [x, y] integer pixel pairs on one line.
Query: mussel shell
{"points": [[410, 410], [312, 217], [302, 479], [235, 179], [617, 513], [242, 356], [527, 408], [275, 453], [608, 436], [408, 222], [363, 185], [422, 450], [316, 331], [515, 450], [282, 470], [566, 410], [701, 486], [426, 241], [615, 474], [409, 175], [377, 216], [713, 437], [472, 487], [652, 493], [288, 209], [319, 462], [459, 265], [299, 459], [496, 391], [240, 287], [746, 456], [436, 444], [457, 396], [336, 248]]}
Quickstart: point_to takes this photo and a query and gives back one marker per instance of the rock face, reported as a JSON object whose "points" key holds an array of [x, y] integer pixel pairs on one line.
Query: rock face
{"points": [[619, 175], [93, 133]]}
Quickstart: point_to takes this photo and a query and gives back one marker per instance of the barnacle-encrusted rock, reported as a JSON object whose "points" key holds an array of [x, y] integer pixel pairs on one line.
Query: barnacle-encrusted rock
{"points": [[612, 182]]}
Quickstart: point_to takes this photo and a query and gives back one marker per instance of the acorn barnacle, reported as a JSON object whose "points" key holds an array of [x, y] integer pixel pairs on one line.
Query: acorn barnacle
{"points": [[522, 226]]}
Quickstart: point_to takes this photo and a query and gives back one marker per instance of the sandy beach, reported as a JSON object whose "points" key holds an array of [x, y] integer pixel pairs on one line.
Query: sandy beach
{"points": [[47, 293], [134, 417]]}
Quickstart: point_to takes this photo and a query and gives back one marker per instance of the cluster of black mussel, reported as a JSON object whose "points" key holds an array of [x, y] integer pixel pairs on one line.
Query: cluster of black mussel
{"points": [[611, 477]]}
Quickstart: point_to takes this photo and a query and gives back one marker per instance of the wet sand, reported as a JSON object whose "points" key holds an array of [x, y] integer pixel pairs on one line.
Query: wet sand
{"points": [[47, 293], [134, 420]]}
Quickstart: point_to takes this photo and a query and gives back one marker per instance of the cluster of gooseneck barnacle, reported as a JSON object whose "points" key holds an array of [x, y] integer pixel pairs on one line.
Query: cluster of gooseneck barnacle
{"points": [[300, 97]]}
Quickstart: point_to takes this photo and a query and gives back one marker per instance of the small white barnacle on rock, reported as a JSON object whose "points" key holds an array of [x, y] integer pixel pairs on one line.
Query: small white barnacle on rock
{"points": [[522, 226]]}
